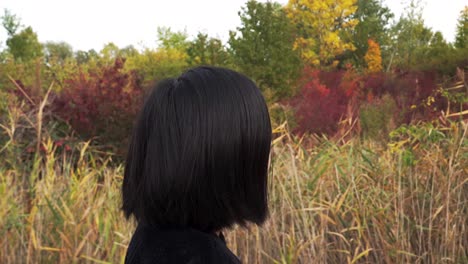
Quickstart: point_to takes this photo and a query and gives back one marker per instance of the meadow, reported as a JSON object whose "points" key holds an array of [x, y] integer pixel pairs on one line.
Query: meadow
{"points": [[331, 201]]}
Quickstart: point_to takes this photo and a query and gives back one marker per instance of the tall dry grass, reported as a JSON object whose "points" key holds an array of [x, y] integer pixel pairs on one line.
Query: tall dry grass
{"points": [[353, 202], [361, 202]]}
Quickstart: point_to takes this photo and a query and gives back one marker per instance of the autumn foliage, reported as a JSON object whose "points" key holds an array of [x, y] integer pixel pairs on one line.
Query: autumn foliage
{"points": [[320, 24], [101, 103], [373, 57], [327, 97], [322, 101]]}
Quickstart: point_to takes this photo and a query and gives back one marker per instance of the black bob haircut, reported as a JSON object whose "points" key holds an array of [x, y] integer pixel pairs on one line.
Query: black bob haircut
{"points": [[199, 153]]}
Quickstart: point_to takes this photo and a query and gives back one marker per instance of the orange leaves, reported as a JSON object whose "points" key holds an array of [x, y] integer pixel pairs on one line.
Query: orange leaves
{"points": [[373, 57]]}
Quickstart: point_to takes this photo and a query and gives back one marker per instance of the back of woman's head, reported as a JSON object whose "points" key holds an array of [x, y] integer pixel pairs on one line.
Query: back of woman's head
{"points": [[199, 153]]}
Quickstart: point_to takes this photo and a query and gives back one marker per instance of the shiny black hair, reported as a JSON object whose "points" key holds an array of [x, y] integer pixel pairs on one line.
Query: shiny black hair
{"points": [[199, 153]]}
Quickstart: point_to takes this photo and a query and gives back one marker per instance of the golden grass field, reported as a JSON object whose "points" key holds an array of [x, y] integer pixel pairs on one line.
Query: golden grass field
{"points": [[331, 201]]}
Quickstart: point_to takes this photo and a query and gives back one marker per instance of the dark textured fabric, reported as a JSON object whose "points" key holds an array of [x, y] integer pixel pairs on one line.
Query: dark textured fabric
{"points": [[172, 246]]}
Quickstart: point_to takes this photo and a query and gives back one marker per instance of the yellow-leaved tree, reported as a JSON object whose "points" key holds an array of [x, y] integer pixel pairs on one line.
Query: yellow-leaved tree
{"points": [[320, 25], [373, 57]]}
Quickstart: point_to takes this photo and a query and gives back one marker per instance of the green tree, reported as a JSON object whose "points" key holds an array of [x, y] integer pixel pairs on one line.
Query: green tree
{"points": [[440, 56], [204, 50], [58, 52], [23, 45], [128, 51], [461, 38], [169, 59], [110, 52], [158, 64], [83, 57], [417, 47], [10, 22], [59, 62], [262, 47], [409, 36], [374, 23], [167, 39]]}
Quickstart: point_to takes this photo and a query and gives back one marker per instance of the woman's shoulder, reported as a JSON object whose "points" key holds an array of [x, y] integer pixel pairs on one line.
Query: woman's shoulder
{"points": [[161, 246]]}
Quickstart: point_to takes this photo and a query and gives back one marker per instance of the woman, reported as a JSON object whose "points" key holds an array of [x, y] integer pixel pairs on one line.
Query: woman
{"points": [[197, 164]]}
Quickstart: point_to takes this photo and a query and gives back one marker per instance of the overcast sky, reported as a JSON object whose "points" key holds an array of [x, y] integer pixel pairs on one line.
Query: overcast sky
{"points": [[88, 24]]}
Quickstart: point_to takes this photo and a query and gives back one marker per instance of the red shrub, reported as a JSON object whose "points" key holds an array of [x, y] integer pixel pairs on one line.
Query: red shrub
{"points": [[409, 90], [322, 100], [325, 97], [101, 103]]}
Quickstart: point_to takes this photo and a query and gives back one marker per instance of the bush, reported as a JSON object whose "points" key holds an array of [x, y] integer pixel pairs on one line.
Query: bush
{"points": [[101, 103], [409, 90], [323, 100], [377, 118], [326, 98]]}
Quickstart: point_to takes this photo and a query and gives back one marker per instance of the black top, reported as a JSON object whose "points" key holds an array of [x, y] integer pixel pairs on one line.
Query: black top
{"points": [[151, 245]]}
